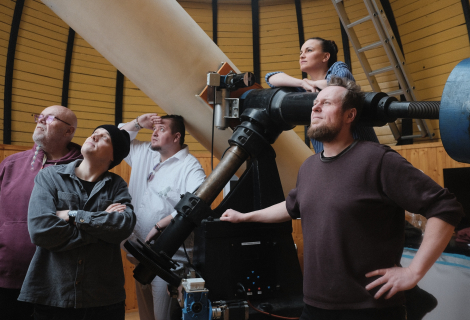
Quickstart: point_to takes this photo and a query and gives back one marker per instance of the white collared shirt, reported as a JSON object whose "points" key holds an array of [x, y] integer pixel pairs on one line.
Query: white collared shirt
{"points": [[156, 199]]}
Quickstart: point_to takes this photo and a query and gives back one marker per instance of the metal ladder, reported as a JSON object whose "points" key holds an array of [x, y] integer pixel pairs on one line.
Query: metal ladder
{"points": [[397, 64]]}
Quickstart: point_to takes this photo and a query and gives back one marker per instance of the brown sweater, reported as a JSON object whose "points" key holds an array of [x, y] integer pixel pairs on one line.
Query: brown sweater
{"points": [[352, 211]]}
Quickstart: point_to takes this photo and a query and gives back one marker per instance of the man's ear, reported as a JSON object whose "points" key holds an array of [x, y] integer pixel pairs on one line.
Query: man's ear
{"points": [[70, 131], [177, 137], [351, 115]]}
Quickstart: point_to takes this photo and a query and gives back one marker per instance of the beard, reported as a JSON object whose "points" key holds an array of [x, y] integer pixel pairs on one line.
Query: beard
{"points": [[155, 148], [38, 137], [323, 133]]}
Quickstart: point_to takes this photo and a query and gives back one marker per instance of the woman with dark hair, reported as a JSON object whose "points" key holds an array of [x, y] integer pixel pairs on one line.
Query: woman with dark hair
{"points": [[318, 58]]}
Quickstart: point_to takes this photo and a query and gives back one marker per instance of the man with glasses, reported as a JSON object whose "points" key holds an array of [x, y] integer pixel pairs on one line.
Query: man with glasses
{"points": [[162, 170], [53, 134]]}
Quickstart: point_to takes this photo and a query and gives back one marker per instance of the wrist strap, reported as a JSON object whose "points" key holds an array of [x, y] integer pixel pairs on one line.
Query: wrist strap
{"points": [[160, 229]]}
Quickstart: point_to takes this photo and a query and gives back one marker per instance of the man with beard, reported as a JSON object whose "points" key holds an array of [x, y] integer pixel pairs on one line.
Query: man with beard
{"points": [[54, 131], [162, 170], [350, 198]]}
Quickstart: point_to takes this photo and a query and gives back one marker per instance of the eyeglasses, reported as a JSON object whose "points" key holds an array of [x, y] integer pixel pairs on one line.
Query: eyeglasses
{"points": [[152, 174], [49, 119]]}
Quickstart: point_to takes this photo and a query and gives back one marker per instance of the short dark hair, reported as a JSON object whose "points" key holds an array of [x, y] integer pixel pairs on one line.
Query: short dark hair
{"points": [[354, 97], [176, 125], [330, 47]]}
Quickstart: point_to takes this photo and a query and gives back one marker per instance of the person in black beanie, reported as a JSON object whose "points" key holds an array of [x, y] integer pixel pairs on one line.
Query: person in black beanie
{"points": [[120, 141], [78, 215]]}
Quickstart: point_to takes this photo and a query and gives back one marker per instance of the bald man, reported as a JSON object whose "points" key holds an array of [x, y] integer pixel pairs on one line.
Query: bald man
{"points": [[53, 134]]}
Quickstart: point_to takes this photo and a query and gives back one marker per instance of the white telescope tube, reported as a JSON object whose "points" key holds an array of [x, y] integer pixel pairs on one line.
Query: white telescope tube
{"points": [[164, 52]]}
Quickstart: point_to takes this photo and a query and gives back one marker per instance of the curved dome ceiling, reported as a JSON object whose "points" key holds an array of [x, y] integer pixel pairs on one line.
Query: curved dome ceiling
{"points": [[46, 63]]}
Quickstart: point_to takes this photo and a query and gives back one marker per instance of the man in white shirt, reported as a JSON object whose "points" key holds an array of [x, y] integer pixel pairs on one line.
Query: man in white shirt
{"points": [[162, 170]]}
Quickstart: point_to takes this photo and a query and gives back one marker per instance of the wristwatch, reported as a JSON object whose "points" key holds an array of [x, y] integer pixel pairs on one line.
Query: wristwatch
{"points": [[72, 215], [137, 124]]}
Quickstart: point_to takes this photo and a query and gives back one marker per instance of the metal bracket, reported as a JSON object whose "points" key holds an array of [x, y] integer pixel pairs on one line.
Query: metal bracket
{"points": [[233, 105]]}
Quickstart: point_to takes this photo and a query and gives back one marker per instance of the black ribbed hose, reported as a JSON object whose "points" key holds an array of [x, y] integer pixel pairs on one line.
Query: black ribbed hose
{"points": [[414, 109]]}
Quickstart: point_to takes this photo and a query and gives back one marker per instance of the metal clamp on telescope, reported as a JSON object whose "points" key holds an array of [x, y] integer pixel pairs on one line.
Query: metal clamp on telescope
{"points": [[218, 94], [156, 258]]}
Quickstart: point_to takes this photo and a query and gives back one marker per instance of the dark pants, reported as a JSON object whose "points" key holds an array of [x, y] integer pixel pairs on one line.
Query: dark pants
{"points": [[175, 310], [112, 312], [11, 308], [312, 313]]}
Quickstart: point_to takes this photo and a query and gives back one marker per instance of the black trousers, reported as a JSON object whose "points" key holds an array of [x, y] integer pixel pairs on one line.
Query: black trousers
{"points": [[11, 308], [112, 312], [312, 313]]}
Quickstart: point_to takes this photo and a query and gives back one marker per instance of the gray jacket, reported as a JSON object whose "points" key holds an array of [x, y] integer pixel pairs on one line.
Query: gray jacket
{"points": [[78, 265]]}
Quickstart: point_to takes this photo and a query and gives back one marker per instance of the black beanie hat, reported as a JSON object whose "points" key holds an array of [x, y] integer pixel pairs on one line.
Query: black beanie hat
{"points": [[121, 143]]}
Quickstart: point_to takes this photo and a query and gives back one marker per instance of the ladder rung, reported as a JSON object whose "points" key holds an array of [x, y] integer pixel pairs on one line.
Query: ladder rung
{"points": [[381, 70], [393, 55], [370, 46], [395, 93], [355, 23], [412, 137]]}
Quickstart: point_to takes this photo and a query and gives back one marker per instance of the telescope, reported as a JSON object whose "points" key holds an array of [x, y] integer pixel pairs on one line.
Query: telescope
{"points": [[258, 262]]}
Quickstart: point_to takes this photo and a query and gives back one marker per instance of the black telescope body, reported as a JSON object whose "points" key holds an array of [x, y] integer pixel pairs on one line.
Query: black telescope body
{"points": [[289, 109]]}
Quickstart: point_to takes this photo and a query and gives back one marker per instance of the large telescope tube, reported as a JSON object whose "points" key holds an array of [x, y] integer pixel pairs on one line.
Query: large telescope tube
{"points": [[289, 109]]}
